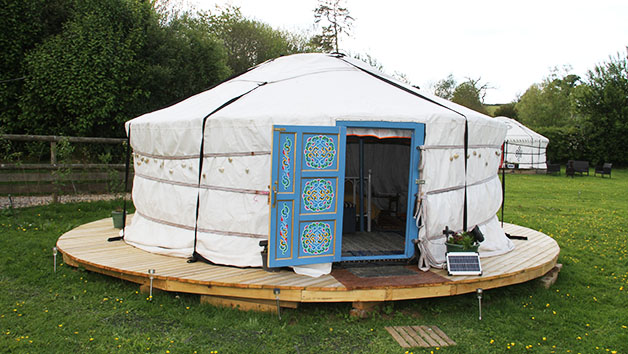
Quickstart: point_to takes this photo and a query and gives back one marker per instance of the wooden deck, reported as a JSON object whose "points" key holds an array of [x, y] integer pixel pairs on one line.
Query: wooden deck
{"points": [[86, 246]]}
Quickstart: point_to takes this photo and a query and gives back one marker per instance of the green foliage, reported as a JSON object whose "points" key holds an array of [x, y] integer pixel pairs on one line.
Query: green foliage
{"points": [[180, 59], [471, 95], [73, 67], [506, 110], [566, 143], [465, 239], [445, 87], [549, 104], [83, 81], [64, 151], [23, 25], [248, 42], [75, 310], [603, 101]]}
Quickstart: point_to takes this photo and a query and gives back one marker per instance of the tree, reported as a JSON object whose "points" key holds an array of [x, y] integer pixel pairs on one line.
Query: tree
{"points": [[83, 80], [338, 21], [23, 25], [250, 42], [114, 60], [445, 87], [471, 95], [507, 110], [603, 102], [181, 58], [549, 104]]}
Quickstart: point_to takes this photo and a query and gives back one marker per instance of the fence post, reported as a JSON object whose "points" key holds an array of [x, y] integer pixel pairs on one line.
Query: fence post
{"points": [[53, 162]]}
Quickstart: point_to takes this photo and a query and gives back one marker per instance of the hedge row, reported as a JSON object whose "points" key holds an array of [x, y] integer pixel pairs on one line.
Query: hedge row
{"points": [[573, 143]]}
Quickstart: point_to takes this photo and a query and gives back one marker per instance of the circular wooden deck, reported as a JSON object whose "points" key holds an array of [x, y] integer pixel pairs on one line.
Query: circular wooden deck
{"points": [[86, 246]]}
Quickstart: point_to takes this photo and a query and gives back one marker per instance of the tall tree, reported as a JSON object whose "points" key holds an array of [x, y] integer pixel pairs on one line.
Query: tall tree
{"points": [[111, 61], [603, 101], [445, 88], [249, 42], [549, 104], [24, 24], [336, 19], [471, 95]]}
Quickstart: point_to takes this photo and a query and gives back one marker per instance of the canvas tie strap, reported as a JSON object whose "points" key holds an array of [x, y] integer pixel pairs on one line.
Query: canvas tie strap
{"points": [[417, 94], [126, 186], [195, 255]]}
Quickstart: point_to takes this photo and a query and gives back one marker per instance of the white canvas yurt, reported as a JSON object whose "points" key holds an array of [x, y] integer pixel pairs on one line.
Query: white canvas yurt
{"points": [[525, 148], [278, 154]]}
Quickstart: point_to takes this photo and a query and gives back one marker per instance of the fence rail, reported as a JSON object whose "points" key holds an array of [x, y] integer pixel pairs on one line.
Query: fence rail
{"points": [[55, 178]]}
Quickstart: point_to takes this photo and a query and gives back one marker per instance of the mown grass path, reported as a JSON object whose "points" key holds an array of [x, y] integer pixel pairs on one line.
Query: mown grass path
{"points": [[586, 311]]}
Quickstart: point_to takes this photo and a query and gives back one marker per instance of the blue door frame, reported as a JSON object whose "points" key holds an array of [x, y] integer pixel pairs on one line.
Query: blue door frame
{"points": [[417, 140]]}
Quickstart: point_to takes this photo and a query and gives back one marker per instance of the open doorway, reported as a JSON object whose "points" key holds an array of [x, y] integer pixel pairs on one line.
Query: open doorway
{"points": [[375, 214]]}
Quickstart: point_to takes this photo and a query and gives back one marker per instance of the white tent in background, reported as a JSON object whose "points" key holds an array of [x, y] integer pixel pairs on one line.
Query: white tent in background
{"points": [[525, 147], [263, 157]]}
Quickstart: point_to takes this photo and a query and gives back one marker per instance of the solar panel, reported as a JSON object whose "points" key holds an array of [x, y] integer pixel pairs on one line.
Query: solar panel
{"points": [[463, 263]]}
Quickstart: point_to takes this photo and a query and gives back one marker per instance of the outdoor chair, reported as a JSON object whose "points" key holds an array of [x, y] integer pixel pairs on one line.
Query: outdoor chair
{"points": [[569, 169], [553, 168], [605, 169]]}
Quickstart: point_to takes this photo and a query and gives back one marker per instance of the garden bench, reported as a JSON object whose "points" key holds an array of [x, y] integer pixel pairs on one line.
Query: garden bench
{"points": [[579, 166], [604, 170]]}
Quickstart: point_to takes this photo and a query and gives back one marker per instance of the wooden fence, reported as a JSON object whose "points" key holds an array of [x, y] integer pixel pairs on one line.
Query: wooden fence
{"points": [[56, 178]]}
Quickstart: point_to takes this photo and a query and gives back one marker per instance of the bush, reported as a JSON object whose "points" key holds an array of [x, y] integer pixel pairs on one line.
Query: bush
{"points": [[566, 143]]}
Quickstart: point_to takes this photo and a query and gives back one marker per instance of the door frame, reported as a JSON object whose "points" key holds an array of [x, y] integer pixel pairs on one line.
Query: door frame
{"points": [[417, 139]]}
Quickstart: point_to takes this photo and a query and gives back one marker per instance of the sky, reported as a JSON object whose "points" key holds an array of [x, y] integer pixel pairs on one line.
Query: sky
{"points": [[509, 45]]}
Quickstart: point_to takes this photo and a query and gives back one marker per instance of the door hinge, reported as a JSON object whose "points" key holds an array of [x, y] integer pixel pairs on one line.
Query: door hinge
{"points": [[419, 181]]}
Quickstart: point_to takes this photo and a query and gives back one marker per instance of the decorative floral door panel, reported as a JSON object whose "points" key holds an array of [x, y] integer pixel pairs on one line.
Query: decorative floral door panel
{"points": [[307, 195]]}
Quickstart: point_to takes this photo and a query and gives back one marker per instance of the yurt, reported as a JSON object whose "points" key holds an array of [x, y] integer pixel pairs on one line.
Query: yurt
{"points": [[323, 157], [525, 148]]}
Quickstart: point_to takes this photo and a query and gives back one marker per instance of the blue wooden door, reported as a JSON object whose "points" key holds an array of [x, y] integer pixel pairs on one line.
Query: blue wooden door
{"points": [[308, 169]]}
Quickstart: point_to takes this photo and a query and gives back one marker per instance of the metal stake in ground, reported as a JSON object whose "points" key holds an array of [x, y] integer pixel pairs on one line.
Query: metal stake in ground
{"points": [[54, 259], [276, 291], [151, 273], [479, 292]]}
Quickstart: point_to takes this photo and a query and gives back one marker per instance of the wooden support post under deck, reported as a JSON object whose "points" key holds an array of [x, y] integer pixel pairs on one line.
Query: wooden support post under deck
{"points": [[247, 304], [550, 278], [363, 309]]}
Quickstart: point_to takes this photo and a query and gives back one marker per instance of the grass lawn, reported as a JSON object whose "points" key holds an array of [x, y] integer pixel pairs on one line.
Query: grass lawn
{"points": [[586, 311]]}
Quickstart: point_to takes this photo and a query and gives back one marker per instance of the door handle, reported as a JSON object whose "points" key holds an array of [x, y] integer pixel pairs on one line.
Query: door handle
{"points": [[274, 195]]}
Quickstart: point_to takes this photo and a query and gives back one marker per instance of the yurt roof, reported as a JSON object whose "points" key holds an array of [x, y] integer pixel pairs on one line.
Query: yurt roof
{"points": [[519, 133], [316, 89]]}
